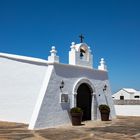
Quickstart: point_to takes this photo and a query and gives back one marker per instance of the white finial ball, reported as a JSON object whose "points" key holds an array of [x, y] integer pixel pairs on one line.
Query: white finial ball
{"points": [[53, 47], [73, 43], [102, 59]]}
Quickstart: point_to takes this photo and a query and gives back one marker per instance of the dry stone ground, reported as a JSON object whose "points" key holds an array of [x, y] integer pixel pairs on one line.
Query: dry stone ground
{"points": [[122, 128]]}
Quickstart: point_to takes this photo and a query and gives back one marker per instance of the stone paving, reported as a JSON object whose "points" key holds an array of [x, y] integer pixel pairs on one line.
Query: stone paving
{"points": [[122, 128]]}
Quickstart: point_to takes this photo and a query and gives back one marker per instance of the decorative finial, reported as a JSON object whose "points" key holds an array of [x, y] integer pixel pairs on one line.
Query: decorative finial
{"points": [[72, 43], [53, 51], [102, 62], [81, 38], [53, 57], [102, 65], [72, 46], [89, 49]]}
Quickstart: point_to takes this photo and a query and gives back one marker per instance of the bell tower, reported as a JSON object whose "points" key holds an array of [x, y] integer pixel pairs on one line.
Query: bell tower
{"points": [[80, 54]]}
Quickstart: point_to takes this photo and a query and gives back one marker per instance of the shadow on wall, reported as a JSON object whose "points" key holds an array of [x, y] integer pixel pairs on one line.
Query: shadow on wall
{"points": [[69, 71]]}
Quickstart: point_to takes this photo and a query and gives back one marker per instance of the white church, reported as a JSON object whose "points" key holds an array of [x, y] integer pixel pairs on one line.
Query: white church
{"points": [[41, 92]]}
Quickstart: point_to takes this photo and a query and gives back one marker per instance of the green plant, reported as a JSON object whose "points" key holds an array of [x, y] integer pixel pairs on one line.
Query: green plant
{"points": [[104, 107], [76, 110]]}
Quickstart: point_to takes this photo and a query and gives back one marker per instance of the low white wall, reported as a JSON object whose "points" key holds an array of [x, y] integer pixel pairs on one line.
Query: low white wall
{"points": [[127, 110]]}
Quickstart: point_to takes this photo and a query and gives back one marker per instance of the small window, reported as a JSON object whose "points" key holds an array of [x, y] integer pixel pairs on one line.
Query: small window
{"points": [[136, 96], [64, 98], [121, 97]]}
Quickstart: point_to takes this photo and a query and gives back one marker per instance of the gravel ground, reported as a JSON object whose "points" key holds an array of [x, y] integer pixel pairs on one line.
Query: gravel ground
{"points": [[122, 128]]}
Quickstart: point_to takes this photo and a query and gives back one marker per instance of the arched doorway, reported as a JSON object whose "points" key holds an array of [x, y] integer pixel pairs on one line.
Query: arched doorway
{"points": [[84, 100]]}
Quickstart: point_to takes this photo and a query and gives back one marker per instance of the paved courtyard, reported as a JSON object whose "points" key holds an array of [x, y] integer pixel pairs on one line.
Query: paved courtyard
{"points": [[122, 128]]}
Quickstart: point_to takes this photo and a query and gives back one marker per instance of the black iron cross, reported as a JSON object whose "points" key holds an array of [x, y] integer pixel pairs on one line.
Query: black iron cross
{"points": [[81, 38]]}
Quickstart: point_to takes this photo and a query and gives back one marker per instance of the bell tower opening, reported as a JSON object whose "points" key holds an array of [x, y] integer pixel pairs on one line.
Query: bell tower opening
{"points": [[80, 54]]}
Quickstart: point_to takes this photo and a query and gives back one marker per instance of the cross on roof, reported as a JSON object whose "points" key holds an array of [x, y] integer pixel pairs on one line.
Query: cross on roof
{"points": [[81, 38]]}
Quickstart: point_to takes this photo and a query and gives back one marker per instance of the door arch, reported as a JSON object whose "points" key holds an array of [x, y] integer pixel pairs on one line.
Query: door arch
{"points": [[84, 100]]}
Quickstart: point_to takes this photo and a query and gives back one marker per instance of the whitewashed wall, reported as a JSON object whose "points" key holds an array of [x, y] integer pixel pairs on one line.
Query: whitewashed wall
{"points": [[50, 111], [30, 90], [127, 110], [126, 95], [20, 83]]}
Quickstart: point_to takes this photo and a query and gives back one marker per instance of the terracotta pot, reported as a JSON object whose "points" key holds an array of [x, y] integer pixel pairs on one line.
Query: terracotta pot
{"points": [[76, 118], [105, 116]]}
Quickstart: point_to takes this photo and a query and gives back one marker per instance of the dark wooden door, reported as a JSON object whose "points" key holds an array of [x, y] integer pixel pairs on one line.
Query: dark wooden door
{"points": [[84, 100]]}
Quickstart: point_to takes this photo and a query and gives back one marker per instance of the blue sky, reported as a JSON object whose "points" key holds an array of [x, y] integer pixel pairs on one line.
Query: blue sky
{"points": [[111, 28]]}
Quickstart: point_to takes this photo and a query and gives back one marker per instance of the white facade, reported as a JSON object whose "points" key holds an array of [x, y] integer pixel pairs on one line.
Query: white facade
{"points": [[32, 89], [127, 102], [127, 94]]}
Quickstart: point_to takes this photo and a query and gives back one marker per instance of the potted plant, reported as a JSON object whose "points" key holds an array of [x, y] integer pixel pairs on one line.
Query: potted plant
{"points": [[105, 111], [76, 115]]}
